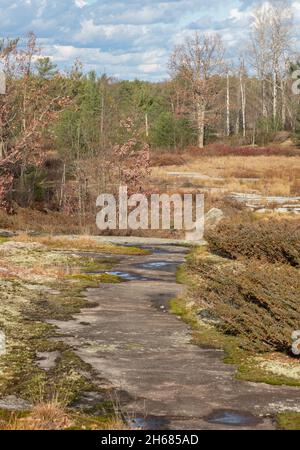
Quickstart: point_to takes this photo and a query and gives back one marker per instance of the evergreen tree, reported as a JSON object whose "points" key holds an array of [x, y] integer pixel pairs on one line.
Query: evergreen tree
{"points": [[45, 68]]}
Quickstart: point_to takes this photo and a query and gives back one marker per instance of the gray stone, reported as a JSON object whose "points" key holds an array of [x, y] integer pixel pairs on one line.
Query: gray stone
{"points": [[7, 234], [13, 403], [208, 315], [213, 218], [47, 360]]}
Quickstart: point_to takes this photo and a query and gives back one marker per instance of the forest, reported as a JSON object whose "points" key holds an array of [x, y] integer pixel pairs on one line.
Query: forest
{"points": [[67, 136]]}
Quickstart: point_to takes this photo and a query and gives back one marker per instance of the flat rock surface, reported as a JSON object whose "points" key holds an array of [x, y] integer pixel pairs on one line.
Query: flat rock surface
{"points": [[164, 381], [13, 403], [47, 360]]}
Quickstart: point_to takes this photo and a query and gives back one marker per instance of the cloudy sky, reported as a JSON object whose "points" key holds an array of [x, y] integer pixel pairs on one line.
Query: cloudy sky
{"points": [[128, 39]]}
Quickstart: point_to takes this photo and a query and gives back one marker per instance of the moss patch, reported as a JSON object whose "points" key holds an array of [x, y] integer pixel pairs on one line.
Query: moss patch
{"points": [[95, 279], [36, 289], [288, 421]]}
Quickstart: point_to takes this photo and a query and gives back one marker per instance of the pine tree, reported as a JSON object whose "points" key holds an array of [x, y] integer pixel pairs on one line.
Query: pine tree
{"points": [[45, 68]]}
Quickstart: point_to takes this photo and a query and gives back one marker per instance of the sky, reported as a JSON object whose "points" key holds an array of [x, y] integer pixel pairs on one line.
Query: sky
{"points": [[125, 39]]}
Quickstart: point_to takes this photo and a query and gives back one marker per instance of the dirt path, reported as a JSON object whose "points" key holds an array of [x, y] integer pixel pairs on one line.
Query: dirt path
{"points": [[132, 341]]}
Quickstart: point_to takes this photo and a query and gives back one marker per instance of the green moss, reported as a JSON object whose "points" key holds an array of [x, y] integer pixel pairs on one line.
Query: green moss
{"points": [[95, 279], [68, 379], [132, 251], [288, 421], [98, 264], [94, 422], [24, 313], [3, 240], [93, 246]]}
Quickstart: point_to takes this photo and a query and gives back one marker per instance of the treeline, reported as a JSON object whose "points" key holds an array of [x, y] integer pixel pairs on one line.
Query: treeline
{"points": [[64, 137]]}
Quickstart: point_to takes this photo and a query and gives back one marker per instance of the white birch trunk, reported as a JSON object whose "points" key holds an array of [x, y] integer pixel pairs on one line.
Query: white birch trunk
{"points": [[243, 103], [274, 97], [228, 107], [201, 123]]}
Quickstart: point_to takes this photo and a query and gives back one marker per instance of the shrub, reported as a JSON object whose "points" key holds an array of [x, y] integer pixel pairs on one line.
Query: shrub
{"points": [[259, 303], [227, 150], [166, 159], [267, 240]]}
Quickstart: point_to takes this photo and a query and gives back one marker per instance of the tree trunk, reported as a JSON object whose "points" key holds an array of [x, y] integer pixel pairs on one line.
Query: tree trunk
{"points": [[264, 108], [243, 102], [237, 123], [283, 112], [102, 119], [274, 97], [146, 124], [201, 123], [228, 107], [63, 188], [238, 112]]}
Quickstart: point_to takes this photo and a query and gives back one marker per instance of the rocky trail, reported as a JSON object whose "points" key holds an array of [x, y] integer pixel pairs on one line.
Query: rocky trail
{"points": [[162, 380]]}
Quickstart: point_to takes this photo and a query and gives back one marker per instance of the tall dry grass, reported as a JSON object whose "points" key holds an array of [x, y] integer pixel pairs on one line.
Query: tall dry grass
{"points": [[270, 175], [54, 416]]}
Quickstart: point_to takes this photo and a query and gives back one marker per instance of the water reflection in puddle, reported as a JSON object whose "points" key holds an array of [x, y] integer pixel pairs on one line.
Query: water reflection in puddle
{"points": [[148, 423], [156, 265], [232, 418], [127, 276]]}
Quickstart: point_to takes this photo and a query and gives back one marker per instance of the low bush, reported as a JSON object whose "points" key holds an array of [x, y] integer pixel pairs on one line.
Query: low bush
{"points": [[267, 240], [166, 159], [227, 150], [258, 303]]}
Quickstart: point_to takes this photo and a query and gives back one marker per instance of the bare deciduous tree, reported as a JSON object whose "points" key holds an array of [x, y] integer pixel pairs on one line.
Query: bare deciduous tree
{"points": [[271, 25], [198, 61]]}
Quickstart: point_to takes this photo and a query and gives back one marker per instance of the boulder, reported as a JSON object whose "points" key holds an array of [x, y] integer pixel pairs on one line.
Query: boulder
{"points": [[7, 234], [213, 218], [13, 403]]}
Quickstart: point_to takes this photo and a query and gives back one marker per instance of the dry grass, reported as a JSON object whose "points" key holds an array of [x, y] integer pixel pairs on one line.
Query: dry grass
{"points": [[81, 243], [50, 222], [53, 416], [276, 175], [54, 223], [45, 416]]}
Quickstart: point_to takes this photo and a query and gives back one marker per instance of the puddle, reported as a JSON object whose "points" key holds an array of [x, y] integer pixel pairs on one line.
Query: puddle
{"points": [[165, 249], [126, 276], [156, 265], [148, 423], [228, 417]]}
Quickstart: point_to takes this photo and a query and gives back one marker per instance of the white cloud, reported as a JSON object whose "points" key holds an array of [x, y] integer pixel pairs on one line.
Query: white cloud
{"points": [[128, 37], [236, 15], [149, 68], [80, 3]]}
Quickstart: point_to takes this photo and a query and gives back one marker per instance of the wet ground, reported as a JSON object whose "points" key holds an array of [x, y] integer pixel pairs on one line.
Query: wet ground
{"points": [[162, 380]]}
